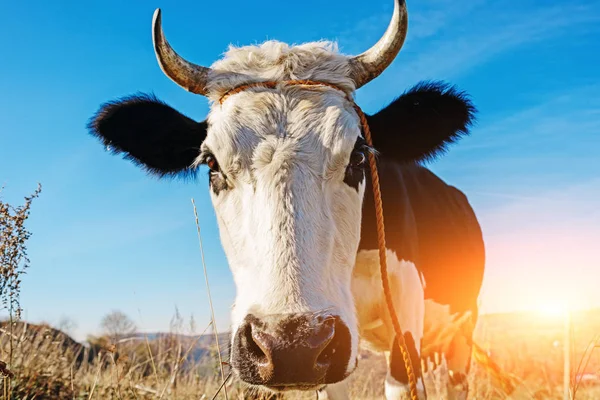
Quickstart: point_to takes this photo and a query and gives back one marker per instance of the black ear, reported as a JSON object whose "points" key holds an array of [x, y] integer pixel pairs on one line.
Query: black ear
{"points": [[421, 123], [150, 133]]}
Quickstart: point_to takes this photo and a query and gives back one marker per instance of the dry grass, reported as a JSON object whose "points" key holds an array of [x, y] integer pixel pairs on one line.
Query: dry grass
{"points": [[49, 364], [39, 362]]}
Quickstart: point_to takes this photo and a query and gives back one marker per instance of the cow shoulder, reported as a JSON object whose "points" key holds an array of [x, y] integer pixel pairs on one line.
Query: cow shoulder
{"points": [[450, 241], [431, 224]]}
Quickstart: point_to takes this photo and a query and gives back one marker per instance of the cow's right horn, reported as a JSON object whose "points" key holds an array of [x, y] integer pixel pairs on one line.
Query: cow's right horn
{"points": [[188, 75]]}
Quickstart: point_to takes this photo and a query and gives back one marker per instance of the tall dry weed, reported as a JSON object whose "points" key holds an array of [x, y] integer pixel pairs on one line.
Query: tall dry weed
{"points": [[13, 251], [13, 264]]}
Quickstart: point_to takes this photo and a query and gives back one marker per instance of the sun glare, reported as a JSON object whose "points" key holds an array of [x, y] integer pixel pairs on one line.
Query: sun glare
{"points": [[554, 308]]}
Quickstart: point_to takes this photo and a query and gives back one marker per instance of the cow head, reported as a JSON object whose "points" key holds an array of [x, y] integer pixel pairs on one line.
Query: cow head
{"points": [[287, 178]]}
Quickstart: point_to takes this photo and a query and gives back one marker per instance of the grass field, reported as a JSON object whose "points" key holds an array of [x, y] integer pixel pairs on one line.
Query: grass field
{"points": [[46, 363], [42, 362]]}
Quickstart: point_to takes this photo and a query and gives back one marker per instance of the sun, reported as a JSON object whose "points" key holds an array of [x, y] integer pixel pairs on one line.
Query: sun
{"points": [[553, 308]]}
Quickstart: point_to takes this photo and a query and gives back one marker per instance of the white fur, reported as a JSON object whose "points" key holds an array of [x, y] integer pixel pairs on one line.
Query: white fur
{"points": [[289, 225], [375, 325], [277, 61], [395, 390]]}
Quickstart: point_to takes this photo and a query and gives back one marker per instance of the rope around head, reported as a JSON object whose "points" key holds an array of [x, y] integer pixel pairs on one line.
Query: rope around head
{"points": [[412, 382]]}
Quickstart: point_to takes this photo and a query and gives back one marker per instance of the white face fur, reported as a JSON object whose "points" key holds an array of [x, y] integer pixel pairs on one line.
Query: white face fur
{"points": [[288, 222]]}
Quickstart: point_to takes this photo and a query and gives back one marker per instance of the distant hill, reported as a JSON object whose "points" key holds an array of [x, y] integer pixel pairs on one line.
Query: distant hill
{"points": [[493, 331], [585, 322]]}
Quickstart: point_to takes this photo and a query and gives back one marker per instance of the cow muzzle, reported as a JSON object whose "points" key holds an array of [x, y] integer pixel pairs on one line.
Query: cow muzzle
{"points": [[292, 351]]}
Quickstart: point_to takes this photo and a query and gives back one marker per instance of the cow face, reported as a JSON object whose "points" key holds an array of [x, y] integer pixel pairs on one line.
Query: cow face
{"points": [[287, 178], [287, 181]]}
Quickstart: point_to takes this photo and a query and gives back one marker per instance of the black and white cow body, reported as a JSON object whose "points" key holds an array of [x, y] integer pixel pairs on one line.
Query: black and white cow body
{"points": [[289, 184], [432, 225]]}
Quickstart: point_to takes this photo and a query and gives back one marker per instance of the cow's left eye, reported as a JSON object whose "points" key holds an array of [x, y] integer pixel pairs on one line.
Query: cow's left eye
{"points": [[212, 163], [357, 159]]}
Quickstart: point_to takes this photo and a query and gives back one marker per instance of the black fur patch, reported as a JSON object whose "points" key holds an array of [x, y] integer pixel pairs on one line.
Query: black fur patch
{"points": [[355, 174], [397, 368], [150, 133], [422, 122], [217, 182]]}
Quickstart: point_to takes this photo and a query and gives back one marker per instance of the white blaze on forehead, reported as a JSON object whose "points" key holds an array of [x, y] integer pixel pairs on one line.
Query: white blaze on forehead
{"points": [[313, 126]]}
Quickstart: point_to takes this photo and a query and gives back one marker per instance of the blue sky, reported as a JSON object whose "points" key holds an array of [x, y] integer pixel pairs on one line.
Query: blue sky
{"points": [[106, 236]]}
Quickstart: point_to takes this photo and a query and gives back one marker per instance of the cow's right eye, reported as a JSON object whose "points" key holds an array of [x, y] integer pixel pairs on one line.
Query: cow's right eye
{"points": [[357, 159]]}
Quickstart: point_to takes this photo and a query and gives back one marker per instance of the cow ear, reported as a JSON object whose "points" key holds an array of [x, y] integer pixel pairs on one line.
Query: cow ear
{"points": [[149, 133], [422, 122]]}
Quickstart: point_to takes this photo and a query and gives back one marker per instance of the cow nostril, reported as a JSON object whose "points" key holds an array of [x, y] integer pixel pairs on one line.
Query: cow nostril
{"points": [[327, 354], [328, 344], [252, 346]]}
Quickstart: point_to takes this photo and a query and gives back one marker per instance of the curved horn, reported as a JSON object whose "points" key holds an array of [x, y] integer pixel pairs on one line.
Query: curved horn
{"points": [[189, 76], [368, 65]]}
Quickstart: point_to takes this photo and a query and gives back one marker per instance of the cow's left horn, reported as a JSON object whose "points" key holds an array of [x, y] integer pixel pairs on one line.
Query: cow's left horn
{"points": [[189, 76], [368, 65]]}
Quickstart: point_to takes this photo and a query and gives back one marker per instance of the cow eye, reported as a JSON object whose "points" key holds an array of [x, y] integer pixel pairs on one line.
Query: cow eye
{"points": [[357, 159], [212, 163], [217, 180]]}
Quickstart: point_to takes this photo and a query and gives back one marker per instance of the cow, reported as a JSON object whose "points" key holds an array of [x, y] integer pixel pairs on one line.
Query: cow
{"points": [[289, 181]]}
